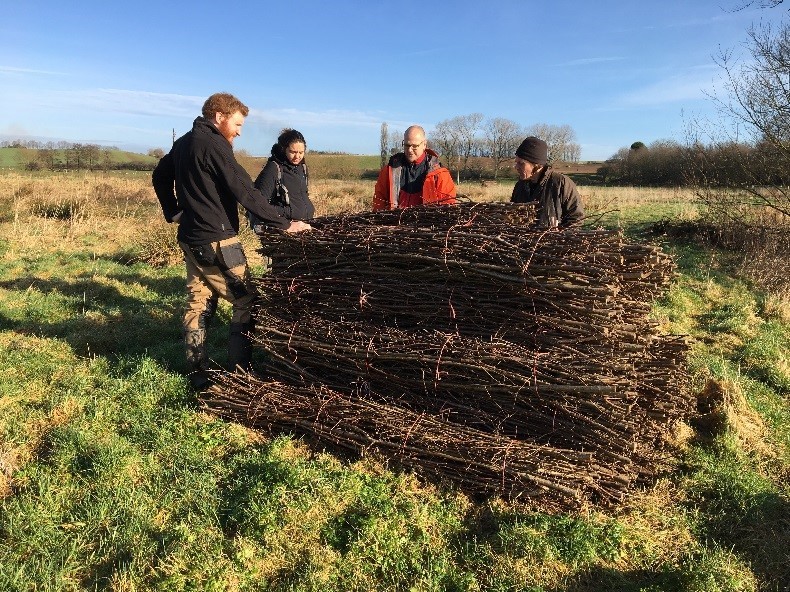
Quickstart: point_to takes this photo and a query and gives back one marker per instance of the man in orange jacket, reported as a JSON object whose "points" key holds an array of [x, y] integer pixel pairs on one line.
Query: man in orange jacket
{"points": [[413, 177]]}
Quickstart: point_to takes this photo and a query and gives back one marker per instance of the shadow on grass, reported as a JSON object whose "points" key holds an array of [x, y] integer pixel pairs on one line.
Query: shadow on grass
{"points": [[90, 312], [756, 528], [604, 578]]}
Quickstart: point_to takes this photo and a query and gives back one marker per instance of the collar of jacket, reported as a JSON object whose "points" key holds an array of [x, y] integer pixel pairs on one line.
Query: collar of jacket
{"points": [[286, 164], [400, 160], [544, 176], [204, 125]]}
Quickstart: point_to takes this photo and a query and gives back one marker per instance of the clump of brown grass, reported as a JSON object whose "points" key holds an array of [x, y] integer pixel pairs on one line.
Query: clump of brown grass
{"points": [[777, 306], [60, 208], [722, 407], [156, 245], [9, 464]]}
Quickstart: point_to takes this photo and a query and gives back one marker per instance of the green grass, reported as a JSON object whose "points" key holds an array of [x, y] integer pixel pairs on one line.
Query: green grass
{"points": [[17, 158], [111, 476]]}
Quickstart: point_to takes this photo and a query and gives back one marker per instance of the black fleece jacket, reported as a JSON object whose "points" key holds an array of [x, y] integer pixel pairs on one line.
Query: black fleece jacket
{"points": [[294, 178], [201, 178]]}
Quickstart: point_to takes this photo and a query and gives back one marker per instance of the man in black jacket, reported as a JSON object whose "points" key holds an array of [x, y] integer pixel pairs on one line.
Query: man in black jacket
{"points": [[558, 202], [199, 184]]}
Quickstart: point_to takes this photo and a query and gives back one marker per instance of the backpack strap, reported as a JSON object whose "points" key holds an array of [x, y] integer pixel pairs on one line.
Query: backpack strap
{"points": [[280, 189]]}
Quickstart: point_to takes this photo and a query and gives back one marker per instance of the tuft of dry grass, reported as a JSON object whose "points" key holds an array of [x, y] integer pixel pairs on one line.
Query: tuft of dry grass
{"points": [[157, 245], [722, 407], [777, 306]]}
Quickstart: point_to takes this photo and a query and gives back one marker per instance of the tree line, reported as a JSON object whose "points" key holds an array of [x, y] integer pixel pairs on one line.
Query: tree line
{"points": [[726, 163], [462, 137], [62, 155]]}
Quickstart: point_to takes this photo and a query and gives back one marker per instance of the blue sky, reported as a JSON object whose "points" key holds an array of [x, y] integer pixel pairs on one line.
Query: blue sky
{"points": [[128, 73]]}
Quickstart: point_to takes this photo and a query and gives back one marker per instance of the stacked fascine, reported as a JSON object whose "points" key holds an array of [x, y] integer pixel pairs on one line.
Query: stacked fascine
{"points": [[468, 346]]}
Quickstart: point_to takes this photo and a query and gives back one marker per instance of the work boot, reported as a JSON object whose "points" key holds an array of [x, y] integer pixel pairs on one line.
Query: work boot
{"points": [[195, 343], [239, 347]]}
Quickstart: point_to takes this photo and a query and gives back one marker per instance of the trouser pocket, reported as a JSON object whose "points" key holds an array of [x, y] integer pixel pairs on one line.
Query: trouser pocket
{"points": [[232, 255], [204, 254]]}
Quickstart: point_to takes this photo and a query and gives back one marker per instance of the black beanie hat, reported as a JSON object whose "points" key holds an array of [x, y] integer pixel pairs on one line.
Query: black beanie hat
{"points": [[533, 150]]}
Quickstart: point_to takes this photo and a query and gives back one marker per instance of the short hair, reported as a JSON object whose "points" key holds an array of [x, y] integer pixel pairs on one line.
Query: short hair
{"points": [[224, 103]]}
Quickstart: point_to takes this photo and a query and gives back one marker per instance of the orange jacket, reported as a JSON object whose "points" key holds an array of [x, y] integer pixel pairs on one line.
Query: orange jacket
{"points": [[438, 187]]}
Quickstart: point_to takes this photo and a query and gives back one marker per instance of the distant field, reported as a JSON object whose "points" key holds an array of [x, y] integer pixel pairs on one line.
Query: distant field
{"points": [[346, 167], [18, 158], [12, 158]]}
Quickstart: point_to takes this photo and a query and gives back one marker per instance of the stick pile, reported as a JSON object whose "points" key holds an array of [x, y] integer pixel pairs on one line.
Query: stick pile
{"points": [[461, 343]]}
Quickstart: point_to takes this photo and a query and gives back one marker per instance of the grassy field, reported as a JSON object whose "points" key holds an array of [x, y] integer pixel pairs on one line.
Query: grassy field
{"points": [[112, 478], [15, 159]]}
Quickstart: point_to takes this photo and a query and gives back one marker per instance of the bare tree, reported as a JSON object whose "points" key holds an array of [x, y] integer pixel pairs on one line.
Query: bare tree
{"points": [[384, 143], [560, 138], [502, 137], [757, 106], [457, 136], [750, 143], [467, 126], [395, 141], [446, 140], [760, 4]]}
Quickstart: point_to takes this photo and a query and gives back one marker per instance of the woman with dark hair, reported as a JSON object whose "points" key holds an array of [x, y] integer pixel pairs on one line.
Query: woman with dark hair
{"points": [[284, 179]]}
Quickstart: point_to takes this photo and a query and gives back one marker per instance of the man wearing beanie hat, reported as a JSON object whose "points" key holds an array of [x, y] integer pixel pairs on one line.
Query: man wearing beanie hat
{"points": [[555, 195]]}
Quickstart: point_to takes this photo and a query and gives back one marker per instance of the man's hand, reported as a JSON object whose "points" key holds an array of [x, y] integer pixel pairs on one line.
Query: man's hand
{"points": [[177, 217], [298, 226]]}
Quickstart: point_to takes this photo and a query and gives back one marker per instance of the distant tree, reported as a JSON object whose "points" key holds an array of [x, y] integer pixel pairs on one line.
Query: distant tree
{"points": [[106, 159], [395, 141], [47, 156], [446, 140], [573, 152], [74, 157], [457, 136], [90, 155], [467, 126], [663, 163], [384, 143], [561, 140], [502, 137], [156, 153]]}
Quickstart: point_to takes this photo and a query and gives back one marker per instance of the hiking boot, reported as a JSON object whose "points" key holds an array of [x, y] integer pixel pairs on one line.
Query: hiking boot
{"points": [[239, 347]]}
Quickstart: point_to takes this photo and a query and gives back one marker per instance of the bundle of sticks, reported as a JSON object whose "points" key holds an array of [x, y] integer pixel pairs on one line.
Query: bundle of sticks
{"points": [[442, 336]]}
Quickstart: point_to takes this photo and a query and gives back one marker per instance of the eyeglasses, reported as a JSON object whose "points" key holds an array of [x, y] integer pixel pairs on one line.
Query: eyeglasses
{"points": [[414, 146]]}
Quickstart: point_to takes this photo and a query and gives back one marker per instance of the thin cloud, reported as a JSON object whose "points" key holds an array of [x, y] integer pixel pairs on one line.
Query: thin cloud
{"points": [[588, 61], [330, 117], [692, 85], [683, 23], [15, 70], [133, 102]]}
